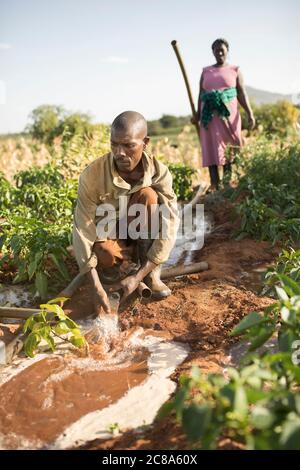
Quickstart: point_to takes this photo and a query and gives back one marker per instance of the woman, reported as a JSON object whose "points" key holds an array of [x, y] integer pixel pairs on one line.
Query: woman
{"points": [[221, 89]]}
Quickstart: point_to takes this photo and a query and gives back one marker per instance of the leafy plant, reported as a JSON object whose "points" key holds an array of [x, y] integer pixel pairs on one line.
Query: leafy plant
{"points": [[287, 263], [257, 405], [282, 318], [48, 174], [6, 193], [269, 192], [182, 180], [38, 250], [36, 227], [49, 323]]}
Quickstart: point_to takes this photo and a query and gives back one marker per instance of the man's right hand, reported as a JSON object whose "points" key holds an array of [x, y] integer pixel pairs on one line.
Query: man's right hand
{"points": [[101, 301], [99, 295]]}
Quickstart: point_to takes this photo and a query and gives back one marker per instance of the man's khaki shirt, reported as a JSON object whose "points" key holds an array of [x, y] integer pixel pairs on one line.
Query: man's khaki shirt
{"points": [[99, 184]]}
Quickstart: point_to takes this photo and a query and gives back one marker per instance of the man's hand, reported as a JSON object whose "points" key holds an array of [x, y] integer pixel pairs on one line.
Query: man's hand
{"points": [[99, 295], [101, 301], [129, 285]]}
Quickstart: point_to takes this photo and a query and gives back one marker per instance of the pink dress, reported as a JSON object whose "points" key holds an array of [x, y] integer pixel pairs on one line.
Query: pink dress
{"points": [[220, 133]]}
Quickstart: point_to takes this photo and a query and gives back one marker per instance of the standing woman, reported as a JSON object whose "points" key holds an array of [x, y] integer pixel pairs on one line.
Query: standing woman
{"points": [[221, 89]]}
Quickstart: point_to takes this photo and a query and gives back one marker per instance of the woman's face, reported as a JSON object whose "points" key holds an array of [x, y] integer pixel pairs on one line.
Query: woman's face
{"points": [[220, 52]]}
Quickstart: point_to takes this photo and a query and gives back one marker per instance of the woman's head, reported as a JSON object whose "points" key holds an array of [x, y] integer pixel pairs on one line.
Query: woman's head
{"points": [[220, 49]]}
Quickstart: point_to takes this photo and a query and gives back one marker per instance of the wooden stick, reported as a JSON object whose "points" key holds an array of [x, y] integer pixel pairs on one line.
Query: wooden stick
{"points": [[182, 269], [17, 312], [187, 84]]}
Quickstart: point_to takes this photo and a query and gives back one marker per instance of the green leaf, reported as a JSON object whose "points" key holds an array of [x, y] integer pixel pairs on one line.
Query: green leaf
{"points": [[254, 395], [56, 309], [290, 436], [31, 343], [20, 277], [196, 420], [247, 322], [262, 338], [31, 269], [285, 340], [29, 323], [71, 324], [282, 295], [41, 284], [45, 331], [288, 315], [288, 282], [78, 341], [179, 400], [240, 401], [165, 410], [51, 342], [61, 328], [262, 418], [60, 266]]}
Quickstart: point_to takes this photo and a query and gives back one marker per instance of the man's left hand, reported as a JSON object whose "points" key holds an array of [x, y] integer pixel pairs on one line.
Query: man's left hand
{"points": [[129, 285]]}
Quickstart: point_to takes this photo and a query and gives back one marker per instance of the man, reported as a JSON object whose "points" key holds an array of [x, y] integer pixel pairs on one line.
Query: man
{"points": [[129, 173]]}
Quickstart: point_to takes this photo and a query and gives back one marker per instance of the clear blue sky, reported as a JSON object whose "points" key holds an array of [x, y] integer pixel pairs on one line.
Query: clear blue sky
{"points": [[106, 56]]}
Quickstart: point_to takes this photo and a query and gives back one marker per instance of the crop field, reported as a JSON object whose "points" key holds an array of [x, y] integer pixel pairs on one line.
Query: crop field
{"points": [[237, 387]]}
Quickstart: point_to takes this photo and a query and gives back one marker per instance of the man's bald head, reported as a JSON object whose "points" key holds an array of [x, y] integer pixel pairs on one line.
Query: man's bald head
{"points": [[128, 140], [130, 122]]}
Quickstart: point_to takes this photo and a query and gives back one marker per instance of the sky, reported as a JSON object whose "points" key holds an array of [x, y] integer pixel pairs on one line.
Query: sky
{"points": [[106, 56]]}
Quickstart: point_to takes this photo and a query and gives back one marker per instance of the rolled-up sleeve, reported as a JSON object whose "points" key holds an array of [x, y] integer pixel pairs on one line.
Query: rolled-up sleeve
{"points": [[160, 249], [84, 228]]}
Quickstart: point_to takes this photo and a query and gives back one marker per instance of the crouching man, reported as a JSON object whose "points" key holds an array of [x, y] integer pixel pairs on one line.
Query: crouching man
{"points": [[125, 221]]}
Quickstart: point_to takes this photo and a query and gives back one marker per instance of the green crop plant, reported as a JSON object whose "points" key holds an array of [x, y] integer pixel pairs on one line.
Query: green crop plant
{"points": [[50, 323], [268, 192], [182, 180], [258, 404]]}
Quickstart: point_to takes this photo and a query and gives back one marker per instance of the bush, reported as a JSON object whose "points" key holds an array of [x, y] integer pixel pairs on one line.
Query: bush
{"points": [[258, 404], [274, 119], [46, 120], [37, 226], [49, 122], [269, 192], [182, 180]]}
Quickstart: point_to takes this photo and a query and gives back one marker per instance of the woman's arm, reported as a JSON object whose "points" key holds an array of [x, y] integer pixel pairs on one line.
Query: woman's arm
{"points": [[243, 99]]}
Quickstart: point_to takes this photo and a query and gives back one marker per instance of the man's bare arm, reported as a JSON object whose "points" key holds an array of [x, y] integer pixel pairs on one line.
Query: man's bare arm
{"points": [[99, 295]]}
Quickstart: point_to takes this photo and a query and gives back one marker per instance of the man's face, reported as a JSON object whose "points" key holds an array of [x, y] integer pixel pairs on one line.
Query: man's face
{"points": [[127, 149]]}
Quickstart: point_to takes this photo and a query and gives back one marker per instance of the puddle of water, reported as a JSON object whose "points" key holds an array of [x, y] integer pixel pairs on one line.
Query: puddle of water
{"points": [[56, 401], [38, 403]]}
